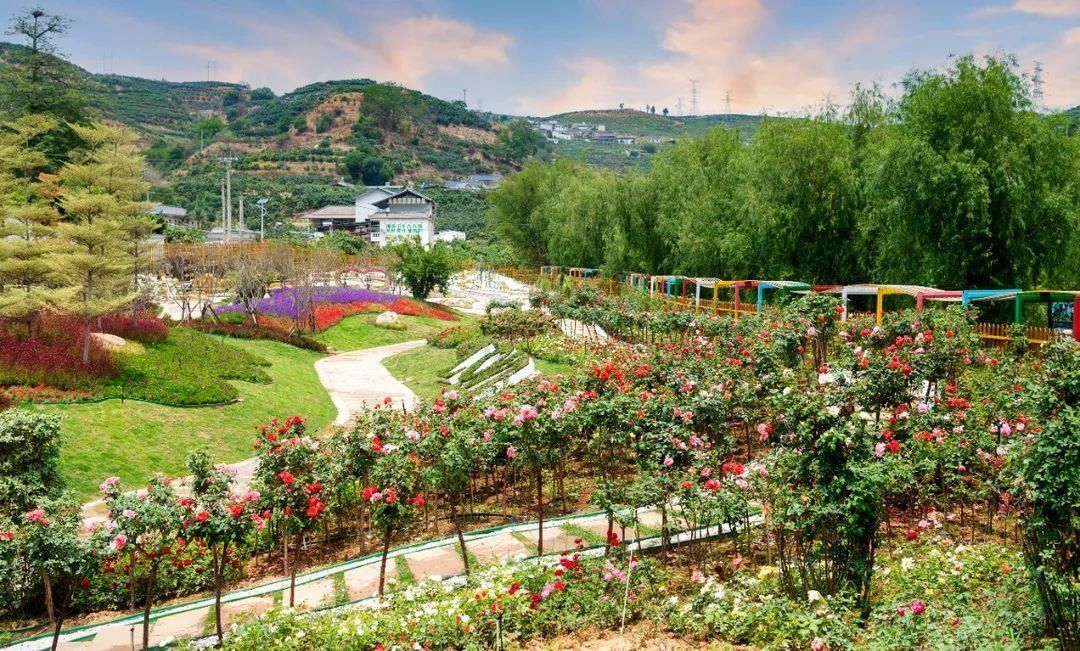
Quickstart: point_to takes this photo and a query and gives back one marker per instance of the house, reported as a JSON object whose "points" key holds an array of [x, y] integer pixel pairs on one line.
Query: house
{"points": [[626, 140], [173, 216], [602, 137], [381, 214], [476, 182], [449, 236]]}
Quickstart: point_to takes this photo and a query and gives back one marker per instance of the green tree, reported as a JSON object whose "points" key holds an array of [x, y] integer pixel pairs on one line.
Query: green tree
{"points": [[103, 222], [422, 269], [38, 81], [519, 141], [518, 207], [27, 236], [226, 523], [29, 458], [149, 522], [364, 165], [971, 187], [55, 551]]}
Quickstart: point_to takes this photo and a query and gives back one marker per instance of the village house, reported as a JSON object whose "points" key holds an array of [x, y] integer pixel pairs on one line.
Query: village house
{"points": [[173, 216], [382, 214]]}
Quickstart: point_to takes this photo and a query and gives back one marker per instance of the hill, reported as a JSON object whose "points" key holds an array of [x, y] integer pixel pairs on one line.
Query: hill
{"points": [[640, 123]]}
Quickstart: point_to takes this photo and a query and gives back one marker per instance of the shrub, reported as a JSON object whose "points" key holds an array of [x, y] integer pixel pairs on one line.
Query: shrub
{"points": [[29, 453], [422, 270], [51, 356], [144, 329], [516, 324], [248, 331]]}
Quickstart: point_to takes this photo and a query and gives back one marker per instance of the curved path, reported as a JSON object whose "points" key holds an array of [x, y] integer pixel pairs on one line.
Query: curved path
{"points": [[358, 379]]}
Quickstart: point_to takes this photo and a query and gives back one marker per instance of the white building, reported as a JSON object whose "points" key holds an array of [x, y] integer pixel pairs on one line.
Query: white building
{"points": [[382, 214], [449, 236]]}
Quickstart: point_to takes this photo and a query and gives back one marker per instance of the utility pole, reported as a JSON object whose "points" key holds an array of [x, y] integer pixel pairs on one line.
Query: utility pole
{"points": [[261, 203], [693, 97], [240, 226], [465, 96], [727, 102], [228, 161], [223, 206]]}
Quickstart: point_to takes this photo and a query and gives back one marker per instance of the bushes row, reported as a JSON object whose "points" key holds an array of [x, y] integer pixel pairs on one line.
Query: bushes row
{"points": [[248, 331]]}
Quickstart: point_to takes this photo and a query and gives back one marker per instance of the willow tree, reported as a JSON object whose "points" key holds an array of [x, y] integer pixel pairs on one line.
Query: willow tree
{"points": [[27, 235], [103, 218]]}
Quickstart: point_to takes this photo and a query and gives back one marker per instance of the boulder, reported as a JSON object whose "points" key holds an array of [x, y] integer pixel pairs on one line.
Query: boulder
{"points": [[388, 318], [107, 341]]}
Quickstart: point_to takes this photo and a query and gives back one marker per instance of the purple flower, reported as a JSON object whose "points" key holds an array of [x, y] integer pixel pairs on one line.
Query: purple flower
{"points": [[288, 302]]}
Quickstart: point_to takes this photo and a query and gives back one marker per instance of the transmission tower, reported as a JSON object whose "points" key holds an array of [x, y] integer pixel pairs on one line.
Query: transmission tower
{"points": [[693, 96], [1037, 87], [727, 102], [678, 107]]}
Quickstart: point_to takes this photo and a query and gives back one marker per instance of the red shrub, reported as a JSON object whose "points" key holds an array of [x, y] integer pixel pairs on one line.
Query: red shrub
{"points": [[412, 308], [52, 356], [146, 329]]}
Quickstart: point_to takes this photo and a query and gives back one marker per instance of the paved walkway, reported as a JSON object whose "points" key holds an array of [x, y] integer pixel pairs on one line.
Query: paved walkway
{"points": [[430, 560], [358, 379]]}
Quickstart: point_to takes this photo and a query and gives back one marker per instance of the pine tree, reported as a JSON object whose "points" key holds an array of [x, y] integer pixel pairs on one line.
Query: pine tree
{"points": [[27, 234], [102, 216]]}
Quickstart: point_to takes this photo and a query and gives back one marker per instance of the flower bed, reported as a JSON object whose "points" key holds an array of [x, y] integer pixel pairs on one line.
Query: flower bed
{"points": [[132, 327], [41, 393], [284, 309], [52, 356]]}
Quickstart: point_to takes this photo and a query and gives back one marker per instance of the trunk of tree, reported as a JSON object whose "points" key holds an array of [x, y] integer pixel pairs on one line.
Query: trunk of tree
{"points": [[49, 597], [149, 602], [539, 511], [292, 574], [59, 623], [382, 566], [219, 580], [460, 537], [86, 344]]}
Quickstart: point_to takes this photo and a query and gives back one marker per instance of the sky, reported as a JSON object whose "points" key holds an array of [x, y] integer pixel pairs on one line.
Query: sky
{"points": [[540, 58]]}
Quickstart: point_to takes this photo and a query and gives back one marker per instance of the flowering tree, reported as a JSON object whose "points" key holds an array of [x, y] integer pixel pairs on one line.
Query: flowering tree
{"points": [[393, 498], [219, 517], [53, 549], [148, 521], [289, 481]]}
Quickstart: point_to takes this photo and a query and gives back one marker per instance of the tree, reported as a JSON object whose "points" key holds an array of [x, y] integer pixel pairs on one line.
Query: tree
{"points": [[393, 499], [519, 140], [56, 552], [218, 517], [149, 521], [29, 457], [422, 270], [27, 236], [364, 165], [665, 111], [39, 82], [289, 480], [103, 222], [970, 187]]}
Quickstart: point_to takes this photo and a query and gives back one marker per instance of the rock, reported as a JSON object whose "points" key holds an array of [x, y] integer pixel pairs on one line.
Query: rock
{"points": [[107, 341], [388, 318]]}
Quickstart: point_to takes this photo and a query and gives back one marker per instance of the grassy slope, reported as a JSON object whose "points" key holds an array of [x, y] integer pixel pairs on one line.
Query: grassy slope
{"points": [[360, 331], [419, 369], [134, 440]]}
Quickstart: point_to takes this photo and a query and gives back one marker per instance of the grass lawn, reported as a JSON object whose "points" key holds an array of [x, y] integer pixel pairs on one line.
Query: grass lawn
{"points": [[133, 440], [360, 331], [419, 369]]}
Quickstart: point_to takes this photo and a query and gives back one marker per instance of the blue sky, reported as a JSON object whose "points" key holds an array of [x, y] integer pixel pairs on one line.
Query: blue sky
{"points": [[778, 56]]}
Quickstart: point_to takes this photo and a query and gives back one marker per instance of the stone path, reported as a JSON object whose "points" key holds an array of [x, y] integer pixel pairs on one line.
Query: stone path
{"points": [[358, 379], [348, 582], [471, 291]]}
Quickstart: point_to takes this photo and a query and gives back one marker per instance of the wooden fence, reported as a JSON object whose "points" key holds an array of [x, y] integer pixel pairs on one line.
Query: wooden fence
{"points": [[994, 334]]}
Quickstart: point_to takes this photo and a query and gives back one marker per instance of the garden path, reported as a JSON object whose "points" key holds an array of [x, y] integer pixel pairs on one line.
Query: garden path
{"points": [[358, 379]]}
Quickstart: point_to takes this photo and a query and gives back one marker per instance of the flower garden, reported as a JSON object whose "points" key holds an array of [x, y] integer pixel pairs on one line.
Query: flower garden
{"points": [[892, 485]]}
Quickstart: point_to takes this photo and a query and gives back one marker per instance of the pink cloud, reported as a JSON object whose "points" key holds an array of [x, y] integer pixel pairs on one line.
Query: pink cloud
{"points": [[1048, 7]]}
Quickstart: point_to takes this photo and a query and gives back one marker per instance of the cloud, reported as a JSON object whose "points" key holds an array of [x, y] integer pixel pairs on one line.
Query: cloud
{"points": [[408, 50], [1048, 7], [1062, 75], [719, 43]]}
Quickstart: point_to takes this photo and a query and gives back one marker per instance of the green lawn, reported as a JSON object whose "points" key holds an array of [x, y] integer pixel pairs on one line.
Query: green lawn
{"points": [[360, 331], [133, 440], [419, 369]]}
